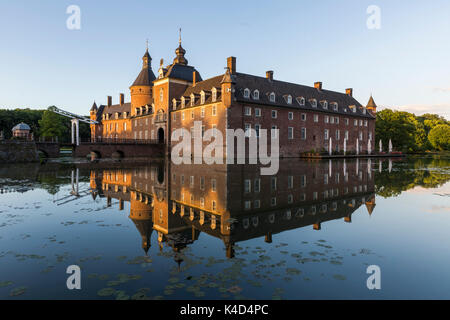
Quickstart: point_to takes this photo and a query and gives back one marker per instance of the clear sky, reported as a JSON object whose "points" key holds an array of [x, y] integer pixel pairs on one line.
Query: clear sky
{"points": [[405, 64]]}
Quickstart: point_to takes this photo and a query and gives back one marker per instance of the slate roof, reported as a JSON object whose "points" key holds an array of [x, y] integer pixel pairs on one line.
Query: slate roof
{"points": [[145, 77], [21, 126], [283, 89], [182, 72]]}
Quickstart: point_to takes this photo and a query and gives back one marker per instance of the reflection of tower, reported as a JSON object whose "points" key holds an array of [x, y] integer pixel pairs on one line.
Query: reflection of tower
{"points": [[141, 215], [370, 205]]}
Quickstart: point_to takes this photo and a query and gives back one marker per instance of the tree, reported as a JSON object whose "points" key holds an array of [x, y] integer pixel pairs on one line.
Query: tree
{"points": [[439, 137], [52, 125]]}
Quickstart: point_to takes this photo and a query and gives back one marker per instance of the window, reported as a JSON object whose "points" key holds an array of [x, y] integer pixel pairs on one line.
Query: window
{"points": [[191, 181], [274, 132], [247, 93], [202, 98], [256, 95], [290, 182], [174, 116], [303, 133], [161, 95], [313, 103], [335, 106], [257, 129], [336, 120], [338, 134], [326, 134], [202, 183], [274, 114], [192, 100], [182, 116], [257, 204], [257, 185], [213, 205], [247, 186], [202, 112], [355, 123], [214, 94], [273, 183], [301, 101], [291, 116], [289, 99], [365, 123], [273, 201], [248, 130], [303, 116], [360, 135], [360, 123], [202, 202], [247, 111], [257, 112], [346, 121], [213, 185], [332, 120], [272, 97], [316, 118], [214, 110], [303, 181], [325, 104], [290, 133], [370, 135], [326, 119], [125, 126], [346, 135], [247, 205]]}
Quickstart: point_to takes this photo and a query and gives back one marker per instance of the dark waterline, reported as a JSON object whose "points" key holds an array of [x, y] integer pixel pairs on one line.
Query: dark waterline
{"points": [[310, 232]]}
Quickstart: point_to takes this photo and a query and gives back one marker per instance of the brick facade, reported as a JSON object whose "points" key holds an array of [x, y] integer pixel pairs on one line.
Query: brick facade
{"points": [[307, 117]]}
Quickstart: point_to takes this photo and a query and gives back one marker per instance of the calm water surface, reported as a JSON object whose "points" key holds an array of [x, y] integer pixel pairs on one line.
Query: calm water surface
{"points": [[158, 231]]}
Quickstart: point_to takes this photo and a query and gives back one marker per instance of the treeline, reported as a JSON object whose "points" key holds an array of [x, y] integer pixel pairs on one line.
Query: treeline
{"points": [[410, 133], [43, 123]]}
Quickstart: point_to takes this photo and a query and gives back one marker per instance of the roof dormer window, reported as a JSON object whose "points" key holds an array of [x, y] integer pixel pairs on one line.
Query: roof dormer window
{"points": [[289, 99], [364, 110], [324, 104], [272, 97], [174, 104], [313, 103], [183, 102], [256, 95], [214, 94], [202, 97], [246, 93], [353, 108], [335, 106], [192, 100], [301, 101]]}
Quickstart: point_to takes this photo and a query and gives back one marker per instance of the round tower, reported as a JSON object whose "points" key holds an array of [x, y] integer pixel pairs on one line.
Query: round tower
{"points": [[141, 89]]}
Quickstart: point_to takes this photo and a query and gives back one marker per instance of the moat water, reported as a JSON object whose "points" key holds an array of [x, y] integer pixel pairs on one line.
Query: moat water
{"points": [[152, 230]]}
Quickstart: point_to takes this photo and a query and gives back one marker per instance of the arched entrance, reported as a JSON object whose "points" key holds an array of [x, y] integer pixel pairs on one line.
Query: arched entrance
{"points": [[160, 135]]}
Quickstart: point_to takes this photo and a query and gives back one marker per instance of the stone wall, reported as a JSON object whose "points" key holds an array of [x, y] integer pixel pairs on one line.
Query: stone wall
{"points": [[18, 151]]}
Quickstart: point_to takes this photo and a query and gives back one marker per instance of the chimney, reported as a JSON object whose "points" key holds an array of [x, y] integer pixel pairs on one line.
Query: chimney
{"points": [[194, 78], [318, 85], [122, 99], [109, 101], [231, 64], [349, 92], [269, 75]]}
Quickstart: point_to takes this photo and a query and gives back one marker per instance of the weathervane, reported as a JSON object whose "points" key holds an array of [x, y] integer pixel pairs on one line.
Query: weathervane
{"points": [[146, 42], [180, 37]]}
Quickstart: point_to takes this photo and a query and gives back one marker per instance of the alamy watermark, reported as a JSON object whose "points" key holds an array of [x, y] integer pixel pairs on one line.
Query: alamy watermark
{"points": [[74, 280], [374, 280], [73, 22], [374, 20], [214, 151]]}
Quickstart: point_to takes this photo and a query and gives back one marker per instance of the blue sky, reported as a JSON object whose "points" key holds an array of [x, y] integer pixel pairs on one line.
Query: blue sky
{"points": [[405, 63]]}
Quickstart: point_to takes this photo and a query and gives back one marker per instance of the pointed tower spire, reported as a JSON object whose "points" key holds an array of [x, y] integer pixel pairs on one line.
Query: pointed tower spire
{"points": [[371, 105], [180, 52], [146, 76]]}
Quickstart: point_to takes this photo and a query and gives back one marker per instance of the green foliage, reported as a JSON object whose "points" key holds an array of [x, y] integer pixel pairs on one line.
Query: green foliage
{"points": [[407, 132], [439, 137], [42, 122], [9, 118], [52, 125]]}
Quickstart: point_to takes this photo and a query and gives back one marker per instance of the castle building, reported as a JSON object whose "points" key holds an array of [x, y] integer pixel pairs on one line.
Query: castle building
{"points": [[308, 118]]}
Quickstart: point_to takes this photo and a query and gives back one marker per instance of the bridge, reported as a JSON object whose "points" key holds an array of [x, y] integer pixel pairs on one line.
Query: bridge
{"points": [[119, 148], [50, 149]]}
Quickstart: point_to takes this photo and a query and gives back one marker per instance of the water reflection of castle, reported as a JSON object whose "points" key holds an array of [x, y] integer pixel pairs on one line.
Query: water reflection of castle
{"points": [[234, 202]]}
